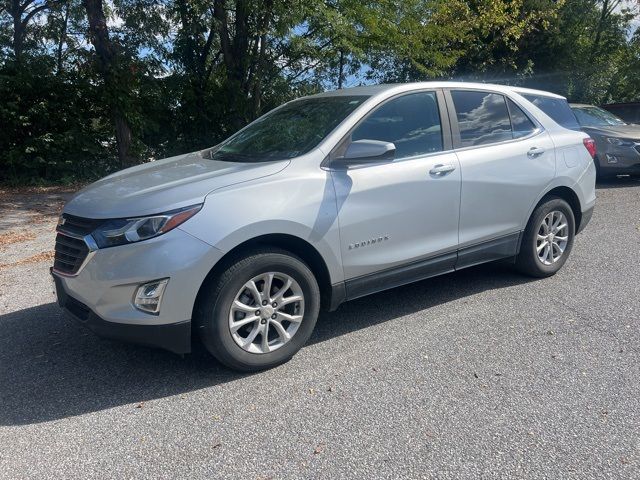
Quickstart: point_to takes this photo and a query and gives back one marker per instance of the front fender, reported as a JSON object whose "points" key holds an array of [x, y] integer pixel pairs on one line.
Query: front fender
{"points": [[303, 206]]}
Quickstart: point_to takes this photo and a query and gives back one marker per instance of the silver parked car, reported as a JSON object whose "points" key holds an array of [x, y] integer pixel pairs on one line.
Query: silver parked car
{"points": [[617, 142], [325, 199]]}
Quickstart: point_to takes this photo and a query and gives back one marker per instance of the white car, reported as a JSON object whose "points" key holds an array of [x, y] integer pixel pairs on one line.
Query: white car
{"points": [[322, 200]]}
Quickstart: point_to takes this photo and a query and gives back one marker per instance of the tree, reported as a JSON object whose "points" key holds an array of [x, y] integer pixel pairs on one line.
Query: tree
{"points": [[114, 76], [169, 76], [22, 13], [585, 48]]}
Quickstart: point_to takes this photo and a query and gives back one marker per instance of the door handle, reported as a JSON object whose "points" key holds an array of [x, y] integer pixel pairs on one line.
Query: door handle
{"points": [[441, 170], [535, 152]]}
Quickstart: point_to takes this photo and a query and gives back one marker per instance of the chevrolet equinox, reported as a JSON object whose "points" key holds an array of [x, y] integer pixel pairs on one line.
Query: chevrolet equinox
{"points": [[325, 199]]}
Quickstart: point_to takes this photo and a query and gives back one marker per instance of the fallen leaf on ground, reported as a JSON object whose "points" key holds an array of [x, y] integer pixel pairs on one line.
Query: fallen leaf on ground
{"points": [[38, 257], [15, 237]]}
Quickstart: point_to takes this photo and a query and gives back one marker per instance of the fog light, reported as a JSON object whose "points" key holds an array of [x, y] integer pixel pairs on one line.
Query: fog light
{"points": [[612, 158], [149, 296]]}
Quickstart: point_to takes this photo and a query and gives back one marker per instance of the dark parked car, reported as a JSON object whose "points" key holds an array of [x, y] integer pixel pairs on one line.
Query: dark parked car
{"points": [[617, 142], [629, 112]]}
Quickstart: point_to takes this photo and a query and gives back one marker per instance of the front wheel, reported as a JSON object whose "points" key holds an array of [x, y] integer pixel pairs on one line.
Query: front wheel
{"points": [[260, 311], [548, 239]]}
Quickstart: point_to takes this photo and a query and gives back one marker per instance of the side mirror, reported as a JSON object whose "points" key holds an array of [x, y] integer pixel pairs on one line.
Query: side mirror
{"points": [[367, 151]]}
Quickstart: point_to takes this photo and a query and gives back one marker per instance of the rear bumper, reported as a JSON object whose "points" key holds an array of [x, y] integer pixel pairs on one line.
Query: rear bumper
{"points": [[584, 221], [175, 337]]}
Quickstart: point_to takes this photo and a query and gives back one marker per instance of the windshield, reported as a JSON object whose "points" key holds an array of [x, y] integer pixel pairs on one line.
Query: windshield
{"points": [[290, 131], [596, 117]]}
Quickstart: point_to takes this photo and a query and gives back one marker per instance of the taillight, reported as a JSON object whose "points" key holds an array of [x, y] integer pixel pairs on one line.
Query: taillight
{"points": [[590, 145]]}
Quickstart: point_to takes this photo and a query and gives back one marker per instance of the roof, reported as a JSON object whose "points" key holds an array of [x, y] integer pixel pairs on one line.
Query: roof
{"points": [[623, 104], [531, 91], [580, 105], [371, 90]]}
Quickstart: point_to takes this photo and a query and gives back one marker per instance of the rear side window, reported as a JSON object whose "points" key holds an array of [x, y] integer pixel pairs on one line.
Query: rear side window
{"points": [[520, 123], [557, 108], [483, 117], [411, 122]]}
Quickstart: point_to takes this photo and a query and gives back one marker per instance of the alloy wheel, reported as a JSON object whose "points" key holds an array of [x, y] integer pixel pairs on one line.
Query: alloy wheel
{"points": [[553, 237], [266, 313]]}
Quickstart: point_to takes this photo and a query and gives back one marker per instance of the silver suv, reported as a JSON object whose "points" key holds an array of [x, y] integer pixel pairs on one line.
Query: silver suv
{"points": [[324, 199]]}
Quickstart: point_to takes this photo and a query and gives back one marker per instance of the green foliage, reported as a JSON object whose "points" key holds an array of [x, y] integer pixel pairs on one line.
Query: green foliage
{"points": [[182, 75], [47, 130]]}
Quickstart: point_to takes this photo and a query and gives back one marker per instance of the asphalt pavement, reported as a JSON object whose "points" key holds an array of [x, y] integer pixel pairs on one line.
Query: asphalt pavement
{"points": [[479, 374]]}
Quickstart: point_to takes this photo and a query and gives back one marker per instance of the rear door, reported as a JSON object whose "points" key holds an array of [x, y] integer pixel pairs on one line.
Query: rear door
{"points": [[506, 160]]}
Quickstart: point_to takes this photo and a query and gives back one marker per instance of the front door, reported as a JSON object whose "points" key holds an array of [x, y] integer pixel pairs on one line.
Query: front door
{"points": [[399, 220]]}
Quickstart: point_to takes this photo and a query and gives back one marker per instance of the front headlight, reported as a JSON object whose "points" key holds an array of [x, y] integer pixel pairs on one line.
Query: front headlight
{"points": [[129, 230], [620, 142]]}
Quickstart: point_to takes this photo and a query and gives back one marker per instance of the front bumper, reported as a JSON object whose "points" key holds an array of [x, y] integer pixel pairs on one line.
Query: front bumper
{"points": [[101, 294], [620, 160], [175, 337]]}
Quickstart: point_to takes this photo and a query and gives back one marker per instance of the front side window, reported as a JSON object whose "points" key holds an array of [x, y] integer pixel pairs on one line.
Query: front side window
{"points": [[482, 117], [411, 122], [596, 117], [556, 108], [290, 131]]}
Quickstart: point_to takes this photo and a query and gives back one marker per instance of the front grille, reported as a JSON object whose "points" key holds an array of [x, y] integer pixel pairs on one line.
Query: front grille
{"points": [[71, 249], [70, 253], [78, 226]]}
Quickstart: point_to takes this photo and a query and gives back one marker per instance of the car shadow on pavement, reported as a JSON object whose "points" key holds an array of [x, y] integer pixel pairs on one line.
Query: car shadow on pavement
{"points": [[53, 368]]}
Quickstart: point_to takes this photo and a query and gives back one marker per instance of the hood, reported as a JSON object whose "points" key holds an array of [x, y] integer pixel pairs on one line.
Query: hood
{"points": [[622, 131], [163, 185]]}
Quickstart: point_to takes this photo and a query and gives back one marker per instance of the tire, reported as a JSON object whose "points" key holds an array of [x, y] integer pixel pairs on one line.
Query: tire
{"points": [[215, 315], [528, 260]]}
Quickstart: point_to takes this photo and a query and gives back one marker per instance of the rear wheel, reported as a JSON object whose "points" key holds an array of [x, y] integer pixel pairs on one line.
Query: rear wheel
{"points": [[260, 311], [548, 239]]}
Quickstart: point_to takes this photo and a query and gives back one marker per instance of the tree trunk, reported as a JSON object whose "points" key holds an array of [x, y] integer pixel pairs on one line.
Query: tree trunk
{"points": [[123, 140], [18, 31], [341, 70], [107, 60], [258, 62], [61, 39], [20, 23], [595, 46]]}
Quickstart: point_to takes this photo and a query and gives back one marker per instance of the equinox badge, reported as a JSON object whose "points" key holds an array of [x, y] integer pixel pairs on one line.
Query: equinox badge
{"points": [[366, 243]]}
